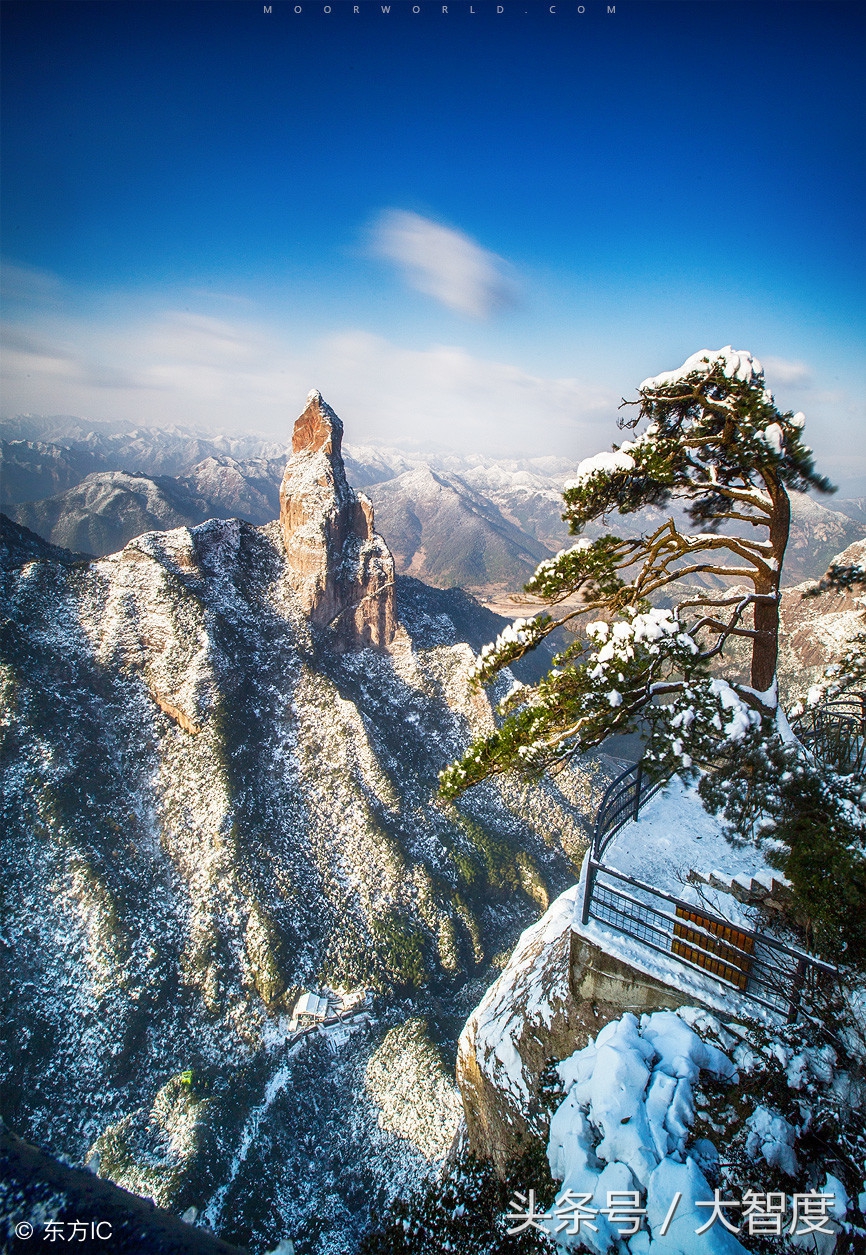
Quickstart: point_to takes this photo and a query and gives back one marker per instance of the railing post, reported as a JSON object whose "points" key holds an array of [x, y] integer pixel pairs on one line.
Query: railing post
{"points": [[587, 889], [794, 1002], [638, 782]]}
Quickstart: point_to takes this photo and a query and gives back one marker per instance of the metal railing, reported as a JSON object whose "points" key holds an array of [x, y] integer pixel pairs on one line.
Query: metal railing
{"points": [[766, 971], [621, 803], [835, 732]]}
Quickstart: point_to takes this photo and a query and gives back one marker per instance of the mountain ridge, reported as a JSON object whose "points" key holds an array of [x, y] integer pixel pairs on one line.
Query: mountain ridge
{"points": [[503, 516], [207, 809]]}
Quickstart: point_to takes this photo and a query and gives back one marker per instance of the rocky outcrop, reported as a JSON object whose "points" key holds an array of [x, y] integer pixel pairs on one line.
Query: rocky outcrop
{"points": [[36, 1189], [340, 568], [556, 992], [174, 712], [815, 630]]}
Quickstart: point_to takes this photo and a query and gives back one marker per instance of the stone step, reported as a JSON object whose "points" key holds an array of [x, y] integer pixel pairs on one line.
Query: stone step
{"points": [[766, 887]]}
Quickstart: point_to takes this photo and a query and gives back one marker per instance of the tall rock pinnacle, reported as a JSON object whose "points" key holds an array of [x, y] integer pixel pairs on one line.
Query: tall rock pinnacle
{"points": [[341, 569]]}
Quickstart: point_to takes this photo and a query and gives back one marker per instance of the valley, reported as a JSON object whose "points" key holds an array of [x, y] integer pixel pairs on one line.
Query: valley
{"points": [[221, 749]]}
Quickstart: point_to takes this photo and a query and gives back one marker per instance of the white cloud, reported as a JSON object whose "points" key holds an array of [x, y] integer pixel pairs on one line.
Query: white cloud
{"points": [[444, 263], [190, 368], [170, 367], [781, 371], [443, 395]]}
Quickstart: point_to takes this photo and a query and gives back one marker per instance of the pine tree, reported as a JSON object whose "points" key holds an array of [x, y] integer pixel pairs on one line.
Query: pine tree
{"points": [[715, 443]]}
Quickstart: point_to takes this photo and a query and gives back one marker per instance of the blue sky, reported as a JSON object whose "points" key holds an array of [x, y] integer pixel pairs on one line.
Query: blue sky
{"points": [[471, 230]]}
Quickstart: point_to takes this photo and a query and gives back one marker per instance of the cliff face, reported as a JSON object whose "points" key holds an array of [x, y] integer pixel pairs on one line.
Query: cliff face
{"points": [[815, 630], [341, 570], [553, 996]]}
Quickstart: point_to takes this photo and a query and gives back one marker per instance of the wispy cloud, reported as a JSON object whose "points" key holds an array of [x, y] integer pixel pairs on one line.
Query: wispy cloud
{"points": [[780, 370], [25, 285], [443, 263], [187, 367], [446, 396], [155, 365]]}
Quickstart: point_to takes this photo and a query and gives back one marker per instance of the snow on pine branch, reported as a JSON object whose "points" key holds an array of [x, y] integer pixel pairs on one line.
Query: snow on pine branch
{"points": [[511, 643], [714, 437], [643, 669], [734, 364], [603, 463], [622, 458], [589, 568]]}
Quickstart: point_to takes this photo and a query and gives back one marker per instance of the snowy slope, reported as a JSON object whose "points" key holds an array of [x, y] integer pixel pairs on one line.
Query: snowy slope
{"points": [[206, 812]]}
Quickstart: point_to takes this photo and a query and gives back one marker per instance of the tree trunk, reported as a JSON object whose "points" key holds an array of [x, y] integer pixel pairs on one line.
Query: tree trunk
{"points": [[765, 648]]}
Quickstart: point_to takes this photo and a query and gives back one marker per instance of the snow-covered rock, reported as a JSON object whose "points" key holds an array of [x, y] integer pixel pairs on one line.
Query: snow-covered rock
{"points": [[624, 1125], [554, 993]]}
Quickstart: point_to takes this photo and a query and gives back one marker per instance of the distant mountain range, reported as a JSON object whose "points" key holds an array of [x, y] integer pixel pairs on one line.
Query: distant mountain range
{"points": [[476, 523]]}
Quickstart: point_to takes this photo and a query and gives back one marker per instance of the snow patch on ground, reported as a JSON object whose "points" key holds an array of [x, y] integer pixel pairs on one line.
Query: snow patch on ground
{"points": [[673, 835]]}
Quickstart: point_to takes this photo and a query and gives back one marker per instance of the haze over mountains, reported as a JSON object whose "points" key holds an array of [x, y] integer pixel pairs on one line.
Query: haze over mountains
{"points": [[471, 522]]}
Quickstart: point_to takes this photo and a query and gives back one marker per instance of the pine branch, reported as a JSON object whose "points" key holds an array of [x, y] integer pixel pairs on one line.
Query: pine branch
{"points": [[716, 442], [735, 600]]}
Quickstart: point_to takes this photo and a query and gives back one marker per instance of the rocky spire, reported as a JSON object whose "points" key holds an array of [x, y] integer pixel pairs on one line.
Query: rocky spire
{"points": [[341, 569]]}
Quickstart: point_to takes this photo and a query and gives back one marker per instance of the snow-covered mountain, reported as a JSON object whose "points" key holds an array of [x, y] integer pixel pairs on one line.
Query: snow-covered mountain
{"points": [[446, 533], [220, 756], [815, 630], [218, 795], [32, 469], [105, 509], [125, 446], [472, 522], [108, 508]]}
